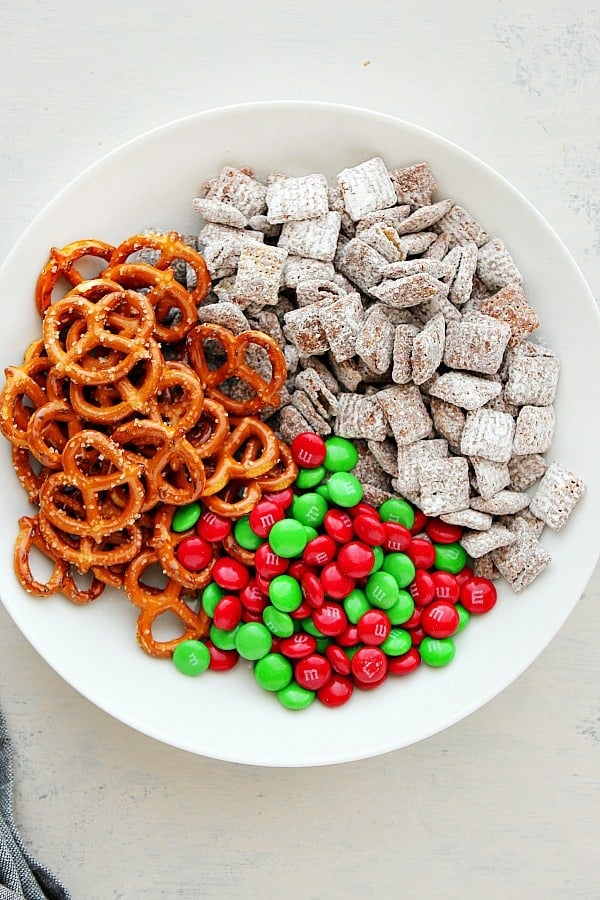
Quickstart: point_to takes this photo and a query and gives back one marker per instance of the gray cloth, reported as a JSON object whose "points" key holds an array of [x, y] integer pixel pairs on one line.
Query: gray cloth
{"points": [[21, 876]]}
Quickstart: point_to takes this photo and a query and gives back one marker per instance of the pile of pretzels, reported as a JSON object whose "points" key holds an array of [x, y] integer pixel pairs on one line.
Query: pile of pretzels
{"points": [[122, 412]]}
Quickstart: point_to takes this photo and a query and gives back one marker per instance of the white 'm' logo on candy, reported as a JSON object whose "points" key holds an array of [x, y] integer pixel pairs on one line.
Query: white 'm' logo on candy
{"points": [[311, 675], [304, 456]]}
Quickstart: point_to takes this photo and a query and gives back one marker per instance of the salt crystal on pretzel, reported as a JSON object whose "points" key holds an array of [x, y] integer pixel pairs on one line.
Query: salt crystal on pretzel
{"points": [[259, 274], [489, 434], [448, 421], [410, 456], [523, 560], [462, 227], [476, 343], [534, 430], [503, 503], [360, 416], [315, 238], [414, 184], [557, 495], [341, 322], [479, 543], [526, 470], [490, 476], [469, 518], [409, 291], [386, 454], [299, 268], [291, 424], [428, 350], [404, 336], [375, 340], [302, 402], [303, 327], [229, 315], [237, 188], [465, 390], [406, 413], [443, 485], [222, 213], [294, 199], [359, 262], [495, 265], [318, 391], [366, 187], [383, 238], [424, 217], [462, 283], [533, 373], [510, 305]]}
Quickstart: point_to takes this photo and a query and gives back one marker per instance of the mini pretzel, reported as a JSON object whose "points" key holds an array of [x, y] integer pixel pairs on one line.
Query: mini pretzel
{"points": [[109, 468], [62, 265], [165, 294], [130, 312], [29, 536], [264, 455], [85, 553], [14, 411], [29, 477], [237, 499], [282, 474], [171, 248], [266, 393], [153, 602], [46, 440]]}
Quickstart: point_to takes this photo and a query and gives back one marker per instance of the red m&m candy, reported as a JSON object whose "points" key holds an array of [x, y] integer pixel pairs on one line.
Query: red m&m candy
{"points": [[440, 619], [308, 450], [263, 517], [313, 671], [478, 595], [194, 553], [230, 574], [213, 527], [356, 559]]}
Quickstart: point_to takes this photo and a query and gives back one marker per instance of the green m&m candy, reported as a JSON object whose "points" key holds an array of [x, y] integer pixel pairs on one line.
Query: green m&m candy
{"points": [[345, 489], [309, 509], [402, 609], [450, 558], [279, 623], [211, 595], [355, 604], [397, 510], [437, 652], [309, 478], [185, 517], [288, 538], [294, 696], [191, 657], [273, 672], [463, 617], [340, 455], [224, 640], [397, 642], [253, 640], [285, 593], [382, 590], [401, 567], [245, 536]]}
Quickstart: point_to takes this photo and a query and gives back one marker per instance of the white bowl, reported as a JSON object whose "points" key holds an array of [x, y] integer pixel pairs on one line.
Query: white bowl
{"points": [[151, 182]]}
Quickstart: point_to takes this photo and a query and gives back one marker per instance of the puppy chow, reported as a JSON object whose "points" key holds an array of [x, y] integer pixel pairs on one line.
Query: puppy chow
{"points": [[346, 371], [439, 248], [533, 373], [464, 390], [314, 238], [366, 187], [318, 291], [414, 184], [415, 244], [359, 262], [534, 430], [462, 283], [424, 217], [341, 322], [402, 353], [478, 543], [434, 267], [295, 199], [409, 291], [227, 314], [490, 477], [303, 327], [495, 266], [392, 216], [523, 560], [368, 470], [443, 485], [469, 518], [319, 393], [217, 211], [410, 456], [557, 495], [239, 189], [476, 343], [488, 434], [212, 233], [259, 274], [526, 470], [360, 416], [462, 227], [406, 413], [385, 240], [428, 349], [262, 224], [510, 305], [448, 420], [386, 454], [484, 567], [503, 503], [302, 402], [375, 340], [291, 424]]}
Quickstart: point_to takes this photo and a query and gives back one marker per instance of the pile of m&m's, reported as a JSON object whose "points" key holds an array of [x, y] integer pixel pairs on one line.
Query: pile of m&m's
{"points": [[338, 594]]}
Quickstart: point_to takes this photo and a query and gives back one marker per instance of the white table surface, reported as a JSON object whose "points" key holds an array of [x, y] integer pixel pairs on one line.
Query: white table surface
{"points": [[505, 803]]}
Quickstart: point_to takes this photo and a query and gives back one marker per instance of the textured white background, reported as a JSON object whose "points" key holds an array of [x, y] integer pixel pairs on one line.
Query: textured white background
{"points": [[504, 803]]}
